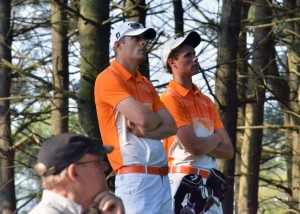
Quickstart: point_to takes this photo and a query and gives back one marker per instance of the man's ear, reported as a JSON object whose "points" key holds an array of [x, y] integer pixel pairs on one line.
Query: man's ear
{"points": [[117, 44], [72, 172], [172, 63]]}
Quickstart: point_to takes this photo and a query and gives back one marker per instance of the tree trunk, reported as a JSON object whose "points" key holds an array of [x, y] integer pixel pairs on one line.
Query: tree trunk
{"points": [[294, 141], [226, 83], [242, 68], [251, 148], [178, 16], [7, 187], [60, 63], [292, 39], [94, 44]]}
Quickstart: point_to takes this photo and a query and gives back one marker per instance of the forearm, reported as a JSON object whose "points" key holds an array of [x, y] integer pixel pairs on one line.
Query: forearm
{"points": [[197, 145], [166, 129], [161, 132], [225, 149], [139, 114], [222, 151], [205, 145], [150, 122]]}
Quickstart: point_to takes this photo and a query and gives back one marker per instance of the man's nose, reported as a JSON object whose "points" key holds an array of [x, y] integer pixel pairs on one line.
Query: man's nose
{"points": [[143, 41], [195, 59]]}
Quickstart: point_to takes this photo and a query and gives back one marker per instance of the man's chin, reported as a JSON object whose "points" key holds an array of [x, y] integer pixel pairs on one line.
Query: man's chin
{"points": [[196, 71], [141, 59]]}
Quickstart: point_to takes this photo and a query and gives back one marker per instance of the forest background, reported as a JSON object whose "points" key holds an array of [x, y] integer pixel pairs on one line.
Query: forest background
{"points": [[52, 51]]}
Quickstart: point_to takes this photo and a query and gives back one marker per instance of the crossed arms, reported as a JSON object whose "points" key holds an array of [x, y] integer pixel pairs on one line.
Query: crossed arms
{"points": [[217, 145], [143, 122]]}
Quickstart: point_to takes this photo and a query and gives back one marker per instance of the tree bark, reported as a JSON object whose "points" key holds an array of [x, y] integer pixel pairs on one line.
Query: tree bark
{"points": [[94, 44], [7, 187], [242, 68], [60, 63], [178, 16], [251, 148], [226, 83], [292, 39]]}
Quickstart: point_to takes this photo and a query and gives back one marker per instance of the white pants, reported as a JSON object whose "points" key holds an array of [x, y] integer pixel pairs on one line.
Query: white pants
{"points": [[175, 180], [144, 193]]}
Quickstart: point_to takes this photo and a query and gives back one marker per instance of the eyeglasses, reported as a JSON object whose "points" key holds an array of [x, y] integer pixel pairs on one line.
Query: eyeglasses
{"points": [[98, 161]]}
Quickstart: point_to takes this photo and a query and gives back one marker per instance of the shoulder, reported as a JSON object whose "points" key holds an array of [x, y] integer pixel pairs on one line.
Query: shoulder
{"points": [[170, 94], [106, 73], [108, 78], [40, 208]]}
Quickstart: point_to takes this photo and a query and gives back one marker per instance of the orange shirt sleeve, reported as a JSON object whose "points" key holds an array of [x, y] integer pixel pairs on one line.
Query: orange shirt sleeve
{"points": [[157, 103], [176, 108], [111, 89], [217, 120]]}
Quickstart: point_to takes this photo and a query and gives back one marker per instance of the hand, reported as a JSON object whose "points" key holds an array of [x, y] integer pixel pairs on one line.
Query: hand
{"points": [[109, 203], [133, 129]]}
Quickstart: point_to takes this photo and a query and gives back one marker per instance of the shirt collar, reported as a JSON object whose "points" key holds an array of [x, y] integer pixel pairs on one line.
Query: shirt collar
{"points": [[61, 201], [124, 73], [182, 90]]}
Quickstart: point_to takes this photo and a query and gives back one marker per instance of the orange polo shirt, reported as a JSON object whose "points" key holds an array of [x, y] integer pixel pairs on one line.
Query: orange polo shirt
{"points": [[196, 110], [113, 85]]}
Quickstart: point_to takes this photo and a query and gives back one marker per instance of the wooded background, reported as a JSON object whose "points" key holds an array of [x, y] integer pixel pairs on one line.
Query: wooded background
{"points": [[52, 51]]}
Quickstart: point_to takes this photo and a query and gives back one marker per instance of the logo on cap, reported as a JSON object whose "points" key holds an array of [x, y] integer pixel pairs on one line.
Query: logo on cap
{"points": [[135, 25]]}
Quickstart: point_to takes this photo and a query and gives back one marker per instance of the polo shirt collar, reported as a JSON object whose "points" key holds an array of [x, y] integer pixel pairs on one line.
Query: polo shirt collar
{"points": [[182, 90], [53, 200], [124, 73]]}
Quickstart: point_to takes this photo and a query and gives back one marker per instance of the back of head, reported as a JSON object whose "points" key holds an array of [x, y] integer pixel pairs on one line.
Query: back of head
{"points": [[59, 151]]}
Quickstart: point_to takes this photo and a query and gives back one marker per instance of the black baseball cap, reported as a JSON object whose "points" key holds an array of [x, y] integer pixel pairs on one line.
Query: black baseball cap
{"points": [[60, 151]]}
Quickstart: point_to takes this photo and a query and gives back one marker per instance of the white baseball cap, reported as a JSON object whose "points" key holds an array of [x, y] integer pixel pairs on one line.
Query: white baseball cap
{"points": [[192, 37], [131, 28]]}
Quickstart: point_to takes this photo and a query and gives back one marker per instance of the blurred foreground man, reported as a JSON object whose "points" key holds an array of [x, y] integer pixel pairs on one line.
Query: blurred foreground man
{"points": [[197, 187], [133, 120], [73, 178]]}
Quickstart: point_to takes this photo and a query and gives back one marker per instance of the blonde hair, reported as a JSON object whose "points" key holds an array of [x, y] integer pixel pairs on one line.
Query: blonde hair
{"points": [[50, 181]]}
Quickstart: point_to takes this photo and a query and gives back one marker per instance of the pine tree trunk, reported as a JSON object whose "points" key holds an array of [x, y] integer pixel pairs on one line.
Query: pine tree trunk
{"points": [[94, 44], [292, 39], [7, 187], [294, 141], [242, 67], [226, 83], [178, 16], [251, 148], [60, 63]]}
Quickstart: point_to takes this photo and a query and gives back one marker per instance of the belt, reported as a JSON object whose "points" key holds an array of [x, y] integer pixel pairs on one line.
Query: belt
{"points": [[162, 171], [189, 170]]}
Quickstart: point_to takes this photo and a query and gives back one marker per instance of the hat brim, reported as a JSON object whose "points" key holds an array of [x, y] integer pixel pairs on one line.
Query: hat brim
{"points": [[192, 38], [101, 149], [148, 32]]}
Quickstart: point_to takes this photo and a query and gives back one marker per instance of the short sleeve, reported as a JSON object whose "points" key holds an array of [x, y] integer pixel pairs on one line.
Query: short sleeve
{"points": [[176, 108], [110, 88]]}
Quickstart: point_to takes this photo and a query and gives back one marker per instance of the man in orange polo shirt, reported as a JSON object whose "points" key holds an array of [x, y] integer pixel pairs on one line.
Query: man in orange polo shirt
{"points": [[133, 119], [201, 137]]}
